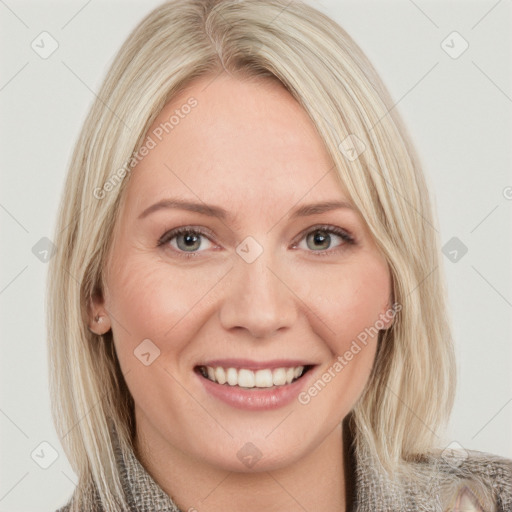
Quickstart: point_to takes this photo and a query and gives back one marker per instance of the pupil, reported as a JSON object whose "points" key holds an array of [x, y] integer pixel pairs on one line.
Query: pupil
{"points": [[321, 238], [190, 241]]}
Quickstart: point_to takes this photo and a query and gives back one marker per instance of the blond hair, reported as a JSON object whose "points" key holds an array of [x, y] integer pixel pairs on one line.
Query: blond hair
{"points": [[410, 393]]}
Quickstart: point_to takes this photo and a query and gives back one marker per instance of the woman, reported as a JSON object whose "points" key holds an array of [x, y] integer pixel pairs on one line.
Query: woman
{"points": [[240, 315]]}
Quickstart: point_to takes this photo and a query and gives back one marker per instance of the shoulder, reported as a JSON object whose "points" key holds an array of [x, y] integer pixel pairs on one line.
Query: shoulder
{"points": [[469, 480], [77, 503]]}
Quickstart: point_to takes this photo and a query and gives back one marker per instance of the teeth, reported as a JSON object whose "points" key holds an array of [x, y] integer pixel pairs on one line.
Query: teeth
{"points": [[245, 378], [220, 375], [263, 379], [279, 377], [248, 379], [232, 377]]}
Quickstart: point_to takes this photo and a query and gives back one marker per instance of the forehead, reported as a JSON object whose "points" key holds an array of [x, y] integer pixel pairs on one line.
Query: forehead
{"points": [[237, 141]]}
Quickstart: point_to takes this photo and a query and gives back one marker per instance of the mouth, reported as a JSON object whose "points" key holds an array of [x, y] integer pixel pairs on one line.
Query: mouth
{"points": [[247, 379]]}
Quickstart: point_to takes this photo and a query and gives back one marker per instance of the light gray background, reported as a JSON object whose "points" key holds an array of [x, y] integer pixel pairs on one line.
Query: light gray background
{"points": [[459, 114]]}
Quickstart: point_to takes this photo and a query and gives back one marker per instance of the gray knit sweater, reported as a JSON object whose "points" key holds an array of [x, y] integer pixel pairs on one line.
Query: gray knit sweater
{"points": [[467, 481]]}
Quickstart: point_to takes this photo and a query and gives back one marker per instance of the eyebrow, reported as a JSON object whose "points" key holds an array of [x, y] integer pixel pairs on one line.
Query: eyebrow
{"points": [[221, 213]]}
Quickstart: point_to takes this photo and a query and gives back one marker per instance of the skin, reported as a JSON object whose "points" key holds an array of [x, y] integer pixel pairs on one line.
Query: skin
{"points": [[249, 148]]}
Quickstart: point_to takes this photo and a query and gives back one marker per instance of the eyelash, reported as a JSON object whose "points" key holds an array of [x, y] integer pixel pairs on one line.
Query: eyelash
{"points": [[344, 235]]}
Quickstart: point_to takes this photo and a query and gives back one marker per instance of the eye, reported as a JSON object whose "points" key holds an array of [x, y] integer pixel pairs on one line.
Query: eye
{"points": [[189, 241], [186, 240], [321, 238]]}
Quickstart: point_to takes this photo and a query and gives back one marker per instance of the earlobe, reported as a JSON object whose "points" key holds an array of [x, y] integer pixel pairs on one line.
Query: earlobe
{"points": [[387, 316], [100, 324], [99, 320]]}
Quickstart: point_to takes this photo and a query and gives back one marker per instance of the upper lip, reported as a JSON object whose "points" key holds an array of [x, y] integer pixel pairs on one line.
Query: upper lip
{"points": [[256, 365]]}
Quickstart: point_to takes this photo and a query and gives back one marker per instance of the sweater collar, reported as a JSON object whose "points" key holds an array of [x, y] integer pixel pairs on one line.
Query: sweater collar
{"points": [[370, 488]]}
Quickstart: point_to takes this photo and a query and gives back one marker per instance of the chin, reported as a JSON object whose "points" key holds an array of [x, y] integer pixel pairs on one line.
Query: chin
{"points": [[256, 456]]}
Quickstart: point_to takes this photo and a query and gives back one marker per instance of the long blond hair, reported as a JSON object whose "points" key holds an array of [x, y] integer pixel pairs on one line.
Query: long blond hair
{"points": [[410, 393]]}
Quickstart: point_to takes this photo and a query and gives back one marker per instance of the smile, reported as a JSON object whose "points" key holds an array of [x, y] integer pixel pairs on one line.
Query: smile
{"points": [[249, 379], [245, 384]]}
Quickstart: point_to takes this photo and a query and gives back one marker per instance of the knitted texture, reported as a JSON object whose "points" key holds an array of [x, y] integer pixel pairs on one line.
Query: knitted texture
{"points": [[449, 481]]}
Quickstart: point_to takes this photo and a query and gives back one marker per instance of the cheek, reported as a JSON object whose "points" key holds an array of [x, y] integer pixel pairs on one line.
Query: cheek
{"points": [[351, 297], [135, 298], [350, 303], [149, 299]]}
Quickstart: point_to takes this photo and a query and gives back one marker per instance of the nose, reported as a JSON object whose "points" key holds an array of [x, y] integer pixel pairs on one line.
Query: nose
{"points": [[258, 298]]}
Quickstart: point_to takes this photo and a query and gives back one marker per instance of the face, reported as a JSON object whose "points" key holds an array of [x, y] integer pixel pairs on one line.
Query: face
{"points": [[252, 284]]}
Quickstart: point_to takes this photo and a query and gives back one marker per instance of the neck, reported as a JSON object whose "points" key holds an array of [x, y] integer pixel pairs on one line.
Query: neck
{"points": [[317, 481]]}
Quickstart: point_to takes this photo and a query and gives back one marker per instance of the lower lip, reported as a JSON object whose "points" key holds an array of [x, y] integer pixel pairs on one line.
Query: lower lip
{"points": [[256, 399]]}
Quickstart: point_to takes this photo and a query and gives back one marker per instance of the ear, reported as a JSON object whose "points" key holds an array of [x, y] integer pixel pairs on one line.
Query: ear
{"points": [[388, 313], [98, 317]]}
